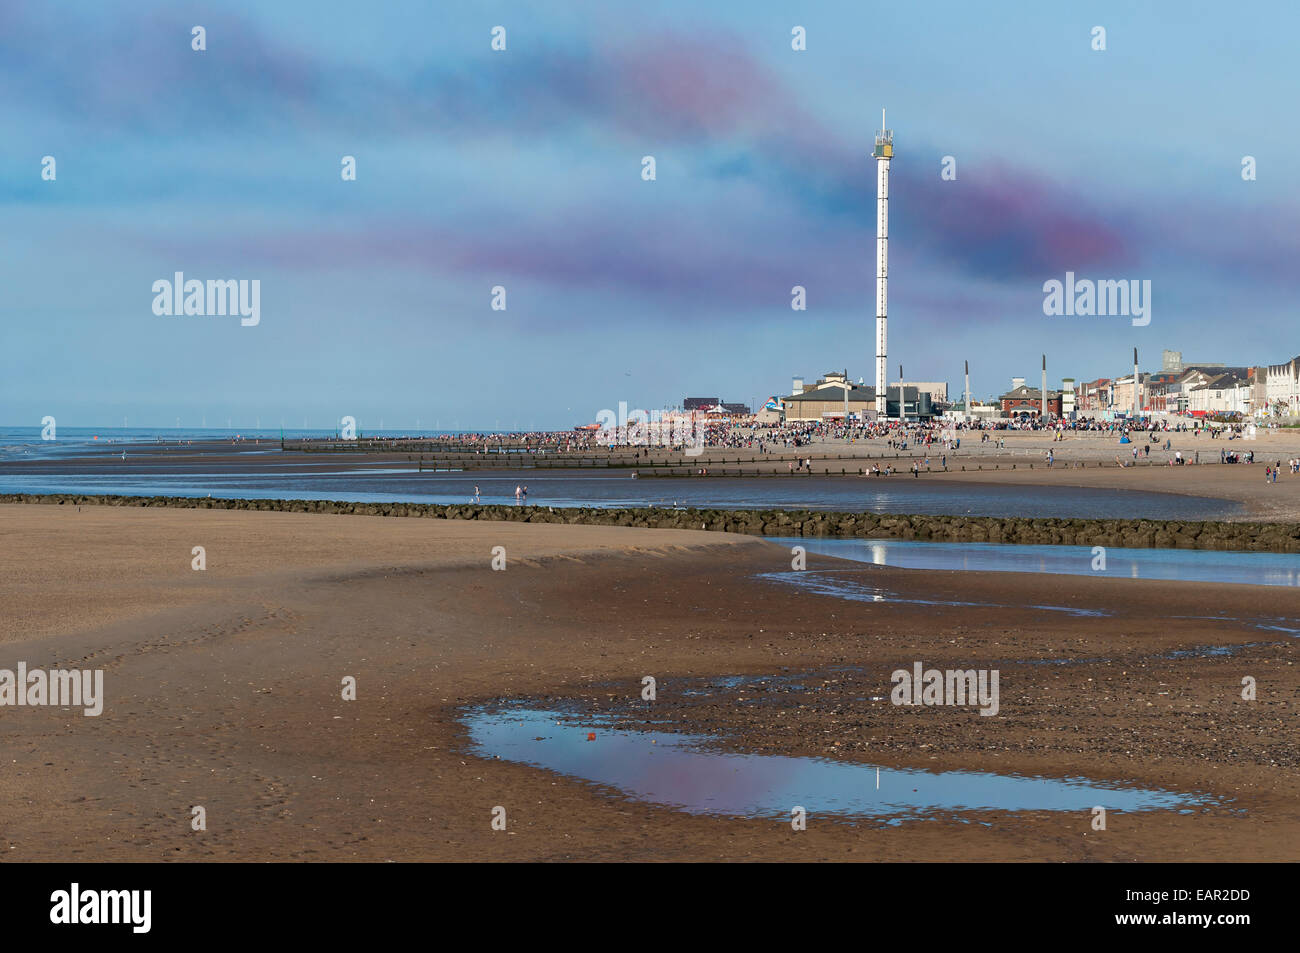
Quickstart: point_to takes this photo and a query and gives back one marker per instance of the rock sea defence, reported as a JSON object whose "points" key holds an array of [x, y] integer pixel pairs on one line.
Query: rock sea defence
{"points": [[1133, 533]]}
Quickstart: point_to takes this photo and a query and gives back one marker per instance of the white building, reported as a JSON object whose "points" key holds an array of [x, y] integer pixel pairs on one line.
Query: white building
{"points": [[979, 410], [1125, 400], [1243, 397], [1282, 389], [1067, 397], [1223, 394], [1178, 395]]}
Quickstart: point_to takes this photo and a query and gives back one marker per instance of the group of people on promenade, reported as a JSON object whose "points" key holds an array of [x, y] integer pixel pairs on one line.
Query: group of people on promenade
{"points": [[899, 436]]}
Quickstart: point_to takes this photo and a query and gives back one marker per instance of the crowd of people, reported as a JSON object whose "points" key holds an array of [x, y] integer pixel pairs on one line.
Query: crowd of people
{"points": [[930, 436]]}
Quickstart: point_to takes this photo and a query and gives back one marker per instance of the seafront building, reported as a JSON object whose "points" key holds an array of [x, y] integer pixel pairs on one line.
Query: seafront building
{"points": [[917, 403], [836, 396], [979, 410], [1226, 393], [831, 398], [1204, 389], [714, 405], [1025, 401], [1282, 389]]}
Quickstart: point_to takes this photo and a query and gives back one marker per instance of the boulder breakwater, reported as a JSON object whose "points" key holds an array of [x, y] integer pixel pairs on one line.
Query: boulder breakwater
{"points": [[1130, 533]]}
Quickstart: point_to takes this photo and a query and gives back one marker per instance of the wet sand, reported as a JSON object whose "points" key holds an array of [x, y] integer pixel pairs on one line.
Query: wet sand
{"points": [[1087, 460], [223, 690]]}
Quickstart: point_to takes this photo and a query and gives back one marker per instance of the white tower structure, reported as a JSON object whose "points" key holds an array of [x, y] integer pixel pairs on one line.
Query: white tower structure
{"points": [[1137, 387], [883, 152], [1043, 395], [968, 411]]}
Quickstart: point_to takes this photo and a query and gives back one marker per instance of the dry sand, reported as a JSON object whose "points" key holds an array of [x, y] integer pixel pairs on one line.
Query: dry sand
{"points": [[223, 690]]}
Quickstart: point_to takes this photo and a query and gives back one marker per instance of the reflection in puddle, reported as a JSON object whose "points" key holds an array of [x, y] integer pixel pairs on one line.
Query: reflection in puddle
{"points": [[1186, 565], [674, 770], [838, 583], [1265, 623], [1215, 651], [820, 582], [727, 683]]}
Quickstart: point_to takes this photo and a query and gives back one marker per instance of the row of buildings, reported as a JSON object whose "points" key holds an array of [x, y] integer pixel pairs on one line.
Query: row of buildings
{"points": [[1197, 389], [835, 396], [714, 407]]}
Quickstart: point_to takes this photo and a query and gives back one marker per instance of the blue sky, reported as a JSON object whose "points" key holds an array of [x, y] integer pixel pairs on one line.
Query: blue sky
{"points": [[522, 168]]}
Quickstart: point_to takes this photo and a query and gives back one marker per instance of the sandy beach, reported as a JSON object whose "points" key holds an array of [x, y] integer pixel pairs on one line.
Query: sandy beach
{"points": [[223, 690], [1081, 460]]}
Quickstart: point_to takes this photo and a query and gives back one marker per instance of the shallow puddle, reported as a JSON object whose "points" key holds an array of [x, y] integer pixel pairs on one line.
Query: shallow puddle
{"points": [[823, 583], [1182, 565], [677, 771]]}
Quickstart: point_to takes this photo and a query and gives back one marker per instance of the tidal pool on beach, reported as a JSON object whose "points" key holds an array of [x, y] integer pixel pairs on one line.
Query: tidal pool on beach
{"points": [[678, 771], [1178, 565], [255, 476], [827, 583]]}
